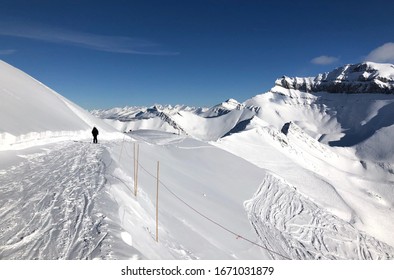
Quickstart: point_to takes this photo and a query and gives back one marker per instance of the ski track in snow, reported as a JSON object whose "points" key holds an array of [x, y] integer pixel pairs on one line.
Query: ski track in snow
{"points": [[47, 205], [294, 226]]}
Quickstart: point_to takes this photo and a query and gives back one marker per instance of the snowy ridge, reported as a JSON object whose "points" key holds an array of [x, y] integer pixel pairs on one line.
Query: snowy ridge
{"points": [[294, 226], [366, 77], [134, 118], [344, 120], [32, 113], [139, 113], [202, 123], [221, 109]]}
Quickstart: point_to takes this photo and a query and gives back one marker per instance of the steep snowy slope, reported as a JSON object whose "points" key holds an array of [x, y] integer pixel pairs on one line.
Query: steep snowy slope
{"points": [[30, 111], [348, 115], [315, 199]]}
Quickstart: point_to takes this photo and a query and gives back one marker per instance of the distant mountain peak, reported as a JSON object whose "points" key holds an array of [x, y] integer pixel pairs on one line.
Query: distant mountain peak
{"points": [[231, 104], [365, 77], [231, 101]]}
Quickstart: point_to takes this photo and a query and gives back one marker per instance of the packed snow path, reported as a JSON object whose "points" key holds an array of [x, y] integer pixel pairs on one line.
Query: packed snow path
{"points": [[47, 205]]}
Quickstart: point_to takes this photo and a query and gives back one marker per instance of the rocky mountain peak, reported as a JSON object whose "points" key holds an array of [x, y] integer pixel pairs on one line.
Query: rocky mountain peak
{"points": [[365, 77]]}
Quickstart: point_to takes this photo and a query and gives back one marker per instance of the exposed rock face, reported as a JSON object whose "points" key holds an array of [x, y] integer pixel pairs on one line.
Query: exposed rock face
{"points": [[285, 128], [366, 77]]}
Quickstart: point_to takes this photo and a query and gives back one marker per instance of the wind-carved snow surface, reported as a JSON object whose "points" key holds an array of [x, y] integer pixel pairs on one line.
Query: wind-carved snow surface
{"points": [[294, 226]]}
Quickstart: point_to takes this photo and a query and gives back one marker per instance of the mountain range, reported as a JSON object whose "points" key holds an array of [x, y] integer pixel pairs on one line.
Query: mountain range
{"points": [[348, 107]]}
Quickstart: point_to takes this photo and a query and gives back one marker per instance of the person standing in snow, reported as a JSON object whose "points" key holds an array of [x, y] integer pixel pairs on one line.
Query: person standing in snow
{"points": [[95, 132]]}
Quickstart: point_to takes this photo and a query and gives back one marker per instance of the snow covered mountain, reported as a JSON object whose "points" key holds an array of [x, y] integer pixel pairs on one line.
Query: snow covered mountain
{"points": [[340, 119], [133, 118], [366, 77], [352, 117], [288, 174], [202, 123]]}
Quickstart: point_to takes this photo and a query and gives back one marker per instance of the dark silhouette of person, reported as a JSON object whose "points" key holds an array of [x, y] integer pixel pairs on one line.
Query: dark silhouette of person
{"points": [[95, 132]]}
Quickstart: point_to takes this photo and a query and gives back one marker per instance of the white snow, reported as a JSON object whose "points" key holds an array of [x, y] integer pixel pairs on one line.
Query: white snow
{"points": [[31, 113], [229, 177]]}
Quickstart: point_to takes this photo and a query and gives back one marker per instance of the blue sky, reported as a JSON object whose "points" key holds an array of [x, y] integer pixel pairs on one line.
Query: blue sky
{"points": [[102, 54]]}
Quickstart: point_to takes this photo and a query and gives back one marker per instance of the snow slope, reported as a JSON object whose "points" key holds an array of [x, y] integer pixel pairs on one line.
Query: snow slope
{"points": [[305, 230], [333, 180], [33, 113]]}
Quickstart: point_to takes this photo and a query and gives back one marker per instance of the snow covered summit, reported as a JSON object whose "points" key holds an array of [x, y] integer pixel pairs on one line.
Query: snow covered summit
{"points": [[366, 77]]}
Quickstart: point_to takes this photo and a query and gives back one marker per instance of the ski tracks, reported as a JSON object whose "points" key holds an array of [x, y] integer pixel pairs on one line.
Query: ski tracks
{"points": [[294, 226], [47, 205]]}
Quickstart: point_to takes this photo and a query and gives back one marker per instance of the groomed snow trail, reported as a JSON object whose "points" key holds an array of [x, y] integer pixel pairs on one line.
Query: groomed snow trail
{"points": [[291, 224], [47, 205]]}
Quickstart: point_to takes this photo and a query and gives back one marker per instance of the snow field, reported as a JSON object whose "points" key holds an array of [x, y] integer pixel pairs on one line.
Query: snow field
{"points": [[182, 233]]}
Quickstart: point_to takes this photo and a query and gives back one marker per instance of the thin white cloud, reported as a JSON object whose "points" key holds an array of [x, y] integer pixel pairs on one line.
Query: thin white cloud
{"points": [[7, 52], [324, 60], [114, 44], [384, 53]]}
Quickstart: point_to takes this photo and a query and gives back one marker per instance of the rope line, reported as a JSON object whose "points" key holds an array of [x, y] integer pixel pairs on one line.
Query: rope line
{"points": [[238, 236]]}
